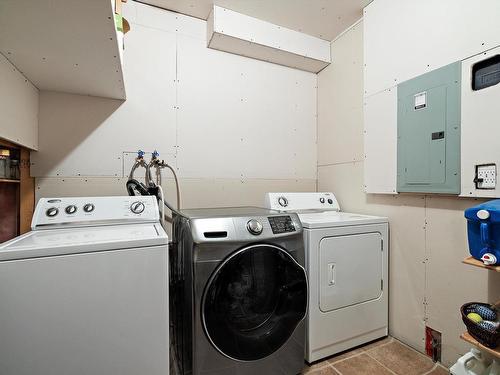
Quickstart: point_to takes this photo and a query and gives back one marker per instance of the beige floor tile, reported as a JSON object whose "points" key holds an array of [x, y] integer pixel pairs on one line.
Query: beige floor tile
{"points": [[324, 371], [319, 365], [376, 343], [361, 364], [439, 370], [401, 359], [345, 355]]}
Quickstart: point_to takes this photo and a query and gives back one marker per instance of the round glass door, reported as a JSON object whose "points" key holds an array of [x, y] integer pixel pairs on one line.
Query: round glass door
{"points": [[254, 301]]}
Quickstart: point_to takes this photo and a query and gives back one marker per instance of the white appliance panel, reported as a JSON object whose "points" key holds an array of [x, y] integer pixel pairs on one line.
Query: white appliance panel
{"points": [[52, 212], [97, 313], [301, 201], [350, 270]]}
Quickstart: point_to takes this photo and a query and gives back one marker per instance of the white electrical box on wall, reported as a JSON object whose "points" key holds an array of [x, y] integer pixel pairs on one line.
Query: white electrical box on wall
{"points": [[480, 151]]}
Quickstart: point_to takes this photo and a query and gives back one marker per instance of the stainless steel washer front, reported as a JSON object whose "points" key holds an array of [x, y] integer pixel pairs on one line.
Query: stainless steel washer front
{"points": [[241, 299]]}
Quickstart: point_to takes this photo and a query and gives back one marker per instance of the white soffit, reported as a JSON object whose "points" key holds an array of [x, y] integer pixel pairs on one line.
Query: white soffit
{"points": [[237, 33], [64, 45], [324, 19]]}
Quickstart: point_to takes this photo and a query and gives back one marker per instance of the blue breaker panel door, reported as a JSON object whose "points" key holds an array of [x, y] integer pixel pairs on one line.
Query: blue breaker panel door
{"points": [[429, 132]]}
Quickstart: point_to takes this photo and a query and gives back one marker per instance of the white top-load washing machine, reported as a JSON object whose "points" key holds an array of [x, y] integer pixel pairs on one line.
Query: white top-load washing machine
{"points": [[347, 267], [86, 291]]}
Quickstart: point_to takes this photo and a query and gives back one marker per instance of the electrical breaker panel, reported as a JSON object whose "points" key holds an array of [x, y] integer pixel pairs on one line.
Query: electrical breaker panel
{"points": [[429, 132]]}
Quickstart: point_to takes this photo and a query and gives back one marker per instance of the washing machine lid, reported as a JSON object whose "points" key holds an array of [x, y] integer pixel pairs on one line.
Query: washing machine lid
{"points": [[328, 219], [54, 242]]}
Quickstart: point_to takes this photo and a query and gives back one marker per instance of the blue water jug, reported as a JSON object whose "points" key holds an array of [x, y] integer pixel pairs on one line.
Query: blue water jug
{"points": [[483, 229]]}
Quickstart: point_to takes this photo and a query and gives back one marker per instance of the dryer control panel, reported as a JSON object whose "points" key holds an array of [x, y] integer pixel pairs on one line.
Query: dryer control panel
{"points": [[88, 211], [325, 201]]}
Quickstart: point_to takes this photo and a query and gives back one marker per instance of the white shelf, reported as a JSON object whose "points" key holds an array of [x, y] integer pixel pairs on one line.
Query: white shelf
{"points": [[64, 45]]}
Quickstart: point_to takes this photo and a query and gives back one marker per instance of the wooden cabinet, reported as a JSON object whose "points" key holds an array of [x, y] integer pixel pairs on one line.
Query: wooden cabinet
{"points": [[17, 192]]}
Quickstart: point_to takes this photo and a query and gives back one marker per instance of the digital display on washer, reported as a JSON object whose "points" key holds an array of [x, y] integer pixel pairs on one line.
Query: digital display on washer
{"points": [[281, 224]]}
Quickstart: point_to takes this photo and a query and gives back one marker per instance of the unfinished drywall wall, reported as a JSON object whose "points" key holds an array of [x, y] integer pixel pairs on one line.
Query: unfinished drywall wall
{"points": [[428, 283], [233, 127], [18, 106]]}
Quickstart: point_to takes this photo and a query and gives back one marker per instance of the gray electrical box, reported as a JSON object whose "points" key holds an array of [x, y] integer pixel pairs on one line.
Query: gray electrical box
{"points": [[429, 132]]}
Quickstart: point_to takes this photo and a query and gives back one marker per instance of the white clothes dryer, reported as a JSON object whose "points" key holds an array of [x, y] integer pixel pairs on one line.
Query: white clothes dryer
{"points": [[347, 268]]}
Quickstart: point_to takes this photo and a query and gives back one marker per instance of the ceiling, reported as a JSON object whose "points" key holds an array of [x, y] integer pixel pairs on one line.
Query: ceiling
{"points": [[324, 19]]}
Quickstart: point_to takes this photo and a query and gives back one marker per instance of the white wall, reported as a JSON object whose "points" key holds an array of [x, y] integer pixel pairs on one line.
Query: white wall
{"points": [[406, 38], [428, 283], [479, 129], [18, 106], [402, 40], [233, 127]]}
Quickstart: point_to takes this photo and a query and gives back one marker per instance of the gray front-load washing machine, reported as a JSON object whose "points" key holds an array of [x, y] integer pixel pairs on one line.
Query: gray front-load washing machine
{"points": [[239, 292]]}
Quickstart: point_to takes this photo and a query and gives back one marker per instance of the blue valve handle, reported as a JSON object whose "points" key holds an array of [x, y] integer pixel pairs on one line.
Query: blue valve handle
{"points": [[140, 154], [156, 154]]}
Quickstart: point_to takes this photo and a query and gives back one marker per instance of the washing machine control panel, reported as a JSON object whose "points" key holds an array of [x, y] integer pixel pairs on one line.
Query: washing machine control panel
{"points": [[85, 211], [281, 224]]}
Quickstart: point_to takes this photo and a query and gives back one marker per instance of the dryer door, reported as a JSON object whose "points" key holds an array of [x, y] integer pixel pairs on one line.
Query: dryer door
{"points": [[351, 270], [253, 302]]}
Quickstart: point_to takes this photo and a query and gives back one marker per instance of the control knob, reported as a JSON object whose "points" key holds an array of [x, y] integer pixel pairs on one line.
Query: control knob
{"points": [[254, 227], [89, 207], [322, 200], [52, 211], [70, 209], [137, 207], [283, 202]]}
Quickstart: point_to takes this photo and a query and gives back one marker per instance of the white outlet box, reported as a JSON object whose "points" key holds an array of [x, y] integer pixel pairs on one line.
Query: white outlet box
{"points": [[488, 174]]}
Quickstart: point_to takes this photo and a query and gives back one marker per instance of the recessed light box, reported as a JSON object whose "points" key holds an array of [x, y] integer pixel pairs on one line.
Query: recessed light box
{"points": [[237, 33]]}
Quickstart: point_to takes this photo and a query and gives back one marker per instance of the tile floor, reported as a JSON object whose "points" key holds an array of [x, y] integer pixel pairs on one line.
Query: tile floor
{"points": [[384, 357]]}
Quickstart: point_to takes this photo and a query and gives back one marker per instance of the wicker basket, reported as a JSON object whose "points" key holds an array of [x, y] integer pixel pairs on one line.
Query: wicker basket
{"points": [[490, 339]]}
